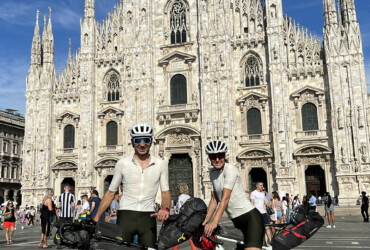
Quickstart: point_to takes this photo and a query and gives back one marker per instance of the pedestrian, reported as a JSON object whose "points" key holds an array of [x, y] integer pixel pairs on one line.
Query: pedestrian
{"points": [[329, 208], [28, 211], [66, 202], [277, 205], [95, 202], [1, 215], [365, 206], [295, 202], [47, 208], [312, 202], [285, 208], [78, 209], [319, 200], [32, 214], [114, 209], [10, 217], [183, 190], [289, 203], [323, 198], [19, 218]]}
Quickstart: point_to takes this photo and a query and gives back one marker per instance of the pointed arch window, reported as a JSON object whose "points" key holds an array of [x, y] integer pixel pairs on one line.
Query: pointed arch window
{"points": [[309, 117], [112, 133], [69, 136], [178, 22], [178, 90], [253, 71], [254, 124], [113, 87]]}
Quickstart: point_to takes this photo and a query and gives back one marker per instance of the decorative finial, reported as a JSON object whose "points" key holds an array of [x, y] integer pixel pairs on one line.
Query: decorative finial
{"points": [[49, 12], [44, 21], [37, 16]]}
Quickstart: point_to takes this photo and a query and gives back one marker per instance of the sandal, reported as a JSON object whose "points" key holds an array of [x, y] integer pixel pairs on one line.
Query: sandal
{"points": [[11, 242]]}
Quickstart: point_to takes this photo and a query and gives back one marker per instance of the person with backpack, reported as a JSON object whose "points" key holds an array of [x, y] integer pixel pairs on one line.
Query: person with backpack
{"points": [[365, 206], [228, 195], [329, 208]]}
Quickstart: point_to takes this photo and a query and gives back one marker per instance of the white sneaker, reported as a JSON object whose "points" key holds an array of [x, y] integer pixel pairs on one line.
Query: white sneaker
{"points": [[333, 226], [15, 229], [22, 228], [328, 226]]}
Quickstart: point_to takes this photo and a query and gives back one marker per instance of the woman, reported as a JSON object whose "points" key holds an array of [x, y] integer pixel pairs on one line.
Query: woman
{"points": [[32, 214], [295, 202], [329, 208], [78, 209], [10, 217], [47, 208], [184, 196], [277, 205], [228, 195], [19, 218], [285, 208]]}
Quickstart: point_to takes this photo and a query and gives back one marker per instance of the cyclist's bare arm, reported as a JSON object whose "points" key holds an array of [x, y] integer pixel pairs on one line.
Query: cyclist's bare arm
{"points": [[104, 204], [226, 194], [211, 208], [162, 214]]}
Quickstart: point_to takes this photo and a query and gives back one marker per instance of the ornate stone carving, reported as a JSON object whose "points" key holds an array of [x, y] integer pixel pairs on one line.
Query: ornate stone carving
{"points": [[178, 139]]}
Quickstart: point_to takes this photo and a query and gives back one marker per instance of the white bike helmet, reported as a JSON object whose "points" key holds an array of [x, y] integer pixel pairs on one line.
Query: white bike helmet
{"points": [[141, 130], [216, 147]]}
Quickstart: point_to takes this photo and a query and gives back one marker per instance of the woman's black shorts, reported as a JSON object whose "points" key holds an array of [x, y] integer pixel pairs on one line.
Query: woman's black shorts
{"points": [[253, 228]]}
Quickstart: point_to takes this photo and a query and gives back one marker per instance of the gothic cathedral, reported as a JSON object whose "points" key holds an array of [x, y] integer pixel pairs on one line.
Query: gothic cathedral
{"points": [[292, 109]]}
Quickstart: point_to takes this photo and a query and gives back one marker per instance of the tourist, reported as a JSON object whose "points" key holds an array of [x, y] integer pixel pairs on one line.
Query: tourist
{"points": [[95, 202], [65, 203], [85, 206], [329, 208], [184, 196], [319, 199], [365, 206], [47, 208], [323, 198], [10, 217], [289, 203], [312, 202], [277, 205], [114, 209], [78, 209], [295, 202], [228, 195], [141, 175], [32, 214], [19, 218], [285, 209]]}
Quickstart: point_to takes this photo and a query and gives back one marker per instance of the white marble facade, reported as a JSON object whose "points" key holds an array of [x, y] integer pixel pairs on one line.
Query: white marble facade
{"points": [[123, 70]]}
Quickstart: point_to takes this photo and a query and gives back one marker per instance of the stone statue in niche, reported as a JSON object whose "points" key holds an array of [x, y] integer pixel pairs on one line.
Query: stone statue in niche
{"points": [[360, 118], [342, 154], [209, 129], [215, 132], [362, 151], [282, 159], [281, 122], [161, 99], [340, 118], [226, 128], [194, 97]]}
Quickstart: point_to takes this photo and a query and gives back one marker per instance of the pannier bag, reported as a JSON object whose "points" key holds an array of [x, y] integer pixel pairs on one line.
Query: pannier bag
{"points": [[294, 235], [73, 237], [109, 231], [299, 214], [180, 228]]}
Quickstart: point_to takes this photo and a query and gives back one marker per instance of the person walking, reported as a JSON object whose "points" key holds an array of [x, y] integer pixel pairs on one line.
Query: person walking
{"points": [[47, 208], [10, 217], [32, 214], [19, 218], [296, 202], [329, 208], [114, 209], [66, 202], [312, 202], [277, 205], [365, 206], [184, 196], [95, 202], [285, 209], [289, 204], [141, 175], [228, 195]]}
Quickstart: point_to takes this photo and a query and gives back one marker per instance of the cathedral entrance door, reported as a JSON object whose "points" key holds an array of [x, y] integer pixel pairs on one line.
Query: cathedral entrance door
{"points": [[180, 171], [315, 180], [107, 182], [257, 175], [69, 181]]}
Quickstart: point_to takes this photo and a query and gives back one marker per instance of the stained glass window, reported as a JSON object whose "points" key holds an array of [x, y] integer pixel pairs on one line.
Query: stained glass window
{"points": [[178, 23]]}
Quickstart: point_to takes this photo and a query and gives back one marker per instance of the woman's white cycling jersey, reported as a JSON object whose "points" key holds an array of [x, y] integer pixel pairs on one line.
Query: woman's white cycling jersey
{"points": [[139, 187], [229, 178]]}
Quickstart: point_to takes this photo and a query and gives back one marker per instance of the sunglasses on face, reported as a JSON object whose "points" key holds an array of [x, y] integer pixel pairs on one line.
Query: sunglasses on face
{"points": [[215, 156], [146, 140]]}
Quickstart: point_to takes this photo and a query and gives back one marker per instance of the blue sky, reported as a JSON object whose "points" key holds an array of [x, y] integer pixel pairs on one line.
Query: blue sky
{"points": [[17, 21]]}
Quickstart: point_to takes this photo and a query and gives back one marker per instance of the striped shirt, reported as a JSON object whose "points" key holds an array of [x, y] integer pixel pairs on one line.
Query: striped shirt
{"points": [[66, 200]]}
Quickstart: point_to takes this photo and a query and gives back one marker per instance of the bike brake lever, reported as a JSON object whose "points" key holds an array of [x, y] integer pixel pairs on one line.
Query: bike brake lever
{"points": [[218, 242]]}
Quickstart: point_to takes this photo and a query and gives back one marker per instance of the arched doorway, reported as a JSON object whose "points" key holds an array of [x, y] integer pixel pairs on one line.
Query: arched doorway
{"points": [[315, 180], [69, 181], [107, 182], [257, 175], [180, 171]]}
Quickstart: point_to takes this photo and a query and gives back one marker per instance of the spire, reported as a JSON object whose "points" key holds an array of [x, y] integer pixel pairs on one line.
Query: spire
{"points": [[330, 12], [36, 46], [69, 53], [50, 27], [44, 32], [348, 11], [89, 9]]}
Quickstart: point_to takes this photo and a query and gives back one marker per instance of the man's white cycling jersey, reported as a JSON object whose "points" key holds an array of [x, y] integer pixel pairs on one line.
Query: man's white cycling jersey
{"points": [[139, 187], [229, 178]]}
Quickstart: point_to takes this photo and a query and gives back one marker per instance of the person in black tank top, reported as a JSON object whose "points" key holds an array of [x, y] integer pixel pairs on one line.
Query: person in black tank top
{"points": [[47, 208], [9, 222]]}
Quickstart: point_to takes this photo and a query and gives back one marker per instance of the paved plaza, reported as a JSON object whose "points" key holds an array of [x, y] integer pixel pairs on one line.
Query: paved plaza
{"points": [[350, 233]]}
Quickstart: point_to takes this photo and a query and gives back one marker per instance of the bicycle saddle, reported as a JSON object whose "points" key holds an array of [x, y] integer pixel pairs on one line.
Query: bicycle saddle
{"points": [[231, 232]]}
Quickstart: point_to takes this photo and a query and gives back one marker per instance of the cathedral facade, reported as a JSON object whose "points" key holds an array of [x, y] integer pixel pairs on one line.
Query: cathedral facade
{"points": [[293, 110]]}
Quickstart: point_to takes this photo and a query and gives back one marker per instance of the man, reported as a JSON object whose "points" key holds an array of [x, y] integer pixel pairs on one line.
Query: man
{"points": [[114, 209], [141, 175], [312, 202], [95, 202], [259, 200], [66, 202], [365, 206]]}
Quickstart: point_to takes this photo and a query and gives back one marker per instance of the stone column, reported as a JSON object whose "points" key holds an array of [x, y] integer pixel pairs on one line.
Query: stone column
{"points": [[6, 191]]}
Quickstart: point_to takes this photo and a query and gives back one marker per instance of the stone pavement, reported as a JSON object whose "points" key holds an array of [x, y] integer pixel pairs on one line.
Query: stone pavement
{"points": [[350, 233]]}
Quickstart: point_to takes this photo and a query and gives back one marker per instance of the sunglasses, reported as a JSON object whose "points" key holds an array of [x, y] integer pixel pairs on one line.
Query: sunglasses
{"points": [[215, 156], [146, 140]]}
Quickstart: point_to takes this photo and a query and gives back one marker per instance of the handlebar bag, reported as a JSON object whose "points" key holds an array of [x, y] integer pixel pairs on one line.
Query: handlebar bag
{"points": [[110, 231]]}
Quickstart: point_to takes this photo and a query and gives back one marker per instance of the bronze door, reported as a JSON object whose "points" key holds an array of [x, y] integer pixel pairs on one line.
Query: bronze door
{"points": [[180, 171]]}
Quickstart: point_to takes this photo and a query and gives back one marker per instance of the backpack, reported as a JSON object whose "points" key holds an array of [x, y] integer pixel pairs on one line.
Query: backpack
{"points": [[295, 234], [299, 214], [180, 228]]}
